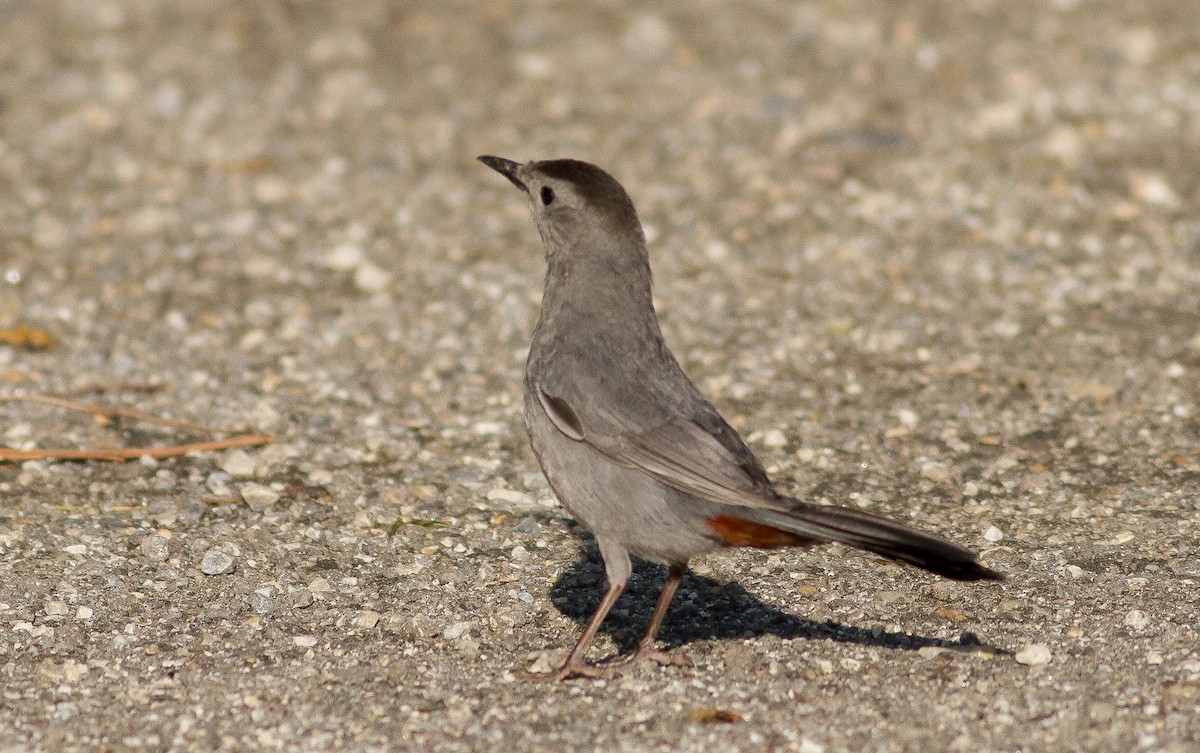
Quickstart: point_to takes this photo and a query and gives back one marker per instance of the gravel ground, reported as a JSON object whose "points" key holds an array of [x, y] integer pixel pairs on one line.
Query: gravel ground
{"points": [[937, 260]]}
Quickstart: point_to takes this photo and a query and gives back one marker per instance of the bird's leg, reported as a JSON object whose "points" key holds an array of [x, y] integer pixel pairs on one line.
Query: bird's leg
{"points": [[575, 665], [645, 648], [617, 568]]}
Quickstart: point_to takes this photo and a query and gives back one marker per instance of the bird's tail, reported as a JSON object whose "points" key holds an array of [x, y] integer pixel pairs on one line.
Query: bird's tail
{"points": [[881, 536]]}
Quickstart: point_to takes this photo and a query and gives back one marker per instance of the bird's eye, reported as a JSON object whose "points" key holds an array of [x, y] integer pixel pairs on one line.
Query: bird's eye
{"points": [[547, 195]]}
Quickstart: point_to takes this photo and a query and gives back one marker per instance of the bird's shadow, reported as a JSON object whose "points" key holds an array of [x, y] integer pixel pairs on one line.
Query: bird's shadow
{"points": [[704, 609]]}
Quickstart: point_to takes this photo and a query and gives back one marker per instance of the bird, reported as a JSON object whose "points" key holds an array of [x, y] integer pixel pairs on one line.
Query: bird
{"points": [[628, 444]]}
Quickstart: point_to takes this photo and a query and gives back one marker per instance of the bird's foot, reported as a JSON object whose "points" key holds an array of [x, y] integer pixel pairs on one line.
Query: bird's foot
{"points": [[662, 658], [580, 669]]}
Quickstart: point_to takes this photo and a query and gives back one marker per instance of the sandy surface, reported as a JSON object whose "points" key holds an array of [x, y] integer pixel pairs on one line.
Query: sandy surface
{"points": [[941, 262]]}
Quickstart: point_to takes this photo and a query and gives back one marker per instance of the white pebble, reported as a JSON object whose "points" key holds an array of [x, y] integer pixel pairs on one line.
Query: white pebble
{"points": [[238, 463], [343, 258], [993, 534], [216, 562], [935, 472], [1034, 655], [456, 631], [501, 494], [259, 496], [1137, 619], [372, 279], [366, 619], [774, 439], [304, 641]]}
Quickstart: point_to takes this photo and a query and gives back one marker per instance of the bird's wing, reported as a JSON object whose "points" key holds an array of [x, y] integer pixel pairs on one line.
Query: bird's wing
{"points": [[687, 446]]}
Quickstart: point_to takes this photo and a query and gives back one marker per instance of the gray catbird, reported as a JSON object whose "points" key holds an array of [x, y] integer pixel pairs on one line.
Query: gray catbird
{"points": [[627, 442]]}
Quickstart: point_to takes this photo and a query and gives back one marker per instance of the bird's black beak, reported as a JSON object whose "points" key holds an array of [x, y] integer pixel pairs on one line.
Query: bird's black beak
{"points": [[505, 167]]}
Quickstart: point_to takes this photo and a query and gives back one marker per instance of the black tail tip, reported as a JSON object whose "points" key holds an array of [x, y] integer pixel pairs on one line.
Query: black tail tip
{"points": [[973, 571]]}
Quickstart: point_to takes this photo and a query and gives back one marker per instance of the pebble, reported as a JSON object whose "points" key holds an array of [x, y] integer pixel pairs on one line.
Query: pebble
{"points": [[216, 562], [370, 278], [84, 613], [993, 534], [57, 609], [1136, 619], [1033, 655], [545, 662], [366, 619], [528, 525], [154, 547], [76, 549], [343, 258], [774, 439], [262, 603], [304, 641], [457, 630], [1152, 188], [301, 598], [502, 494], [935, 472], [649, 37], [259, 496], [238, 463]]}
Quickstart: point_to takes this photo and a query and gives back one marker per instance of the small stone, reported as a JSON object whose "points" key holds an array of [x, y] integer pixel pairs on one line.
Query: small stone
{"points": [[1152, 188], [238, 463], [970, 489], [1075, 571], [218, 483], [84, 613], [1153, 658], [993, 534], [1034, 655], [648, 37], [154, 547], [1136, 619], [301, 598], [216, 562], [528, 525], [808, 746], [502, 494], [343, 258], [774, 439], [520, 553], [366, 619], [370, 278], [908, 418], [57, 609], [259, 496], [319, 585], [488, 428], [545, 662], [76, 549], [262, 603], [935, 472], [271, 189], [457, 630], [304, 641]]}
